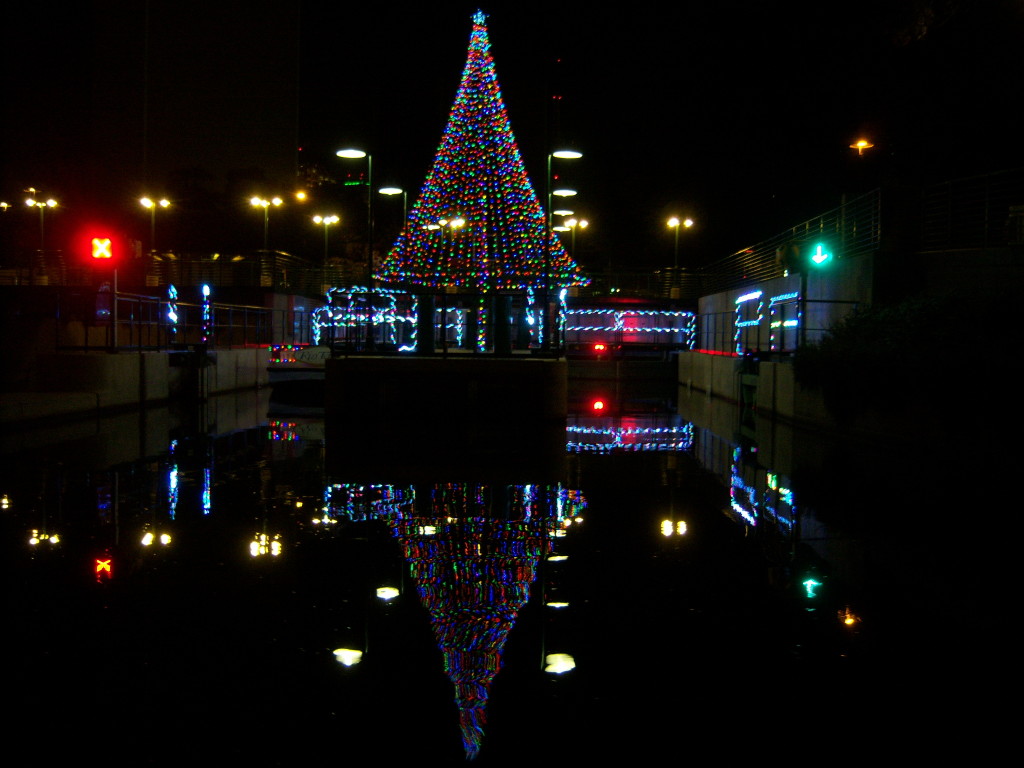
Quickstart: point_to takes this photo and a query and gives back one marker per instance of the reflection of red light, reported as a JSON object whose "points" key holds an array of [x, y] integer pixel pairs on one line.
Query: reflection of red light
{"points": [[598, 405]]}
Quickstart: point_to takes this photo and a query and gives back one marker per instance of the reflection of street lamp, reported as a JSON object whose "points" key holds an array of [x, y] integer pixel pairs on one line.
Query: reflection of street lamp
{"points": [[326, 221], [675, 223], [42, 206], [258, 202], [153, 205]]}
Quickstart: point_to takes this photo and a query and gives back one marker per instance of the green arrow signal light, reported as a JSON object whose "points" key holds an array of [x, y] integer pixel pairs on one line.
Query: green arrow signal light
{"points": [[820, 256]]}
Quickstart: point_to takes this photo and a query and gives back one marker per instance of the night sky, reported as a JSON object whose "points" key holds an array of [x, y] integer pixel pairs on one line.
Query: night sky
{"points": [[738, 114]]}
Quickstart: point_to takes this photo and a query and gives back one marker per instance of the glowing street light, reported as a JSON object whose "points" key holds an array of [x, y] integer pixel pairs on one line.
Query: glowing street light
{"points": [[41, 205], [573, 225], [405, 200], [860, 145], [326, 222], [259, 202], [355, 154], [454, 224], [561, 154], [152, 205], [675, 223]]}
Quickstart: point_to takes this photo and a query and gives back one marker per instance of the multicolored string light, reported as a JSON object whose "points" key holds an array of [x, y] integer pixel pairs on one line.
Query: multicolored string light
{"points": [[478, 176]]}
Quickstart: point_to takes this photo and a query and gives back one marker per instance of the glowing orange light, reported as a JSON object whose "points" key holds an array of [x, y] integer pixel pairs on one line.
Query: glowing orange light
{"points": [[598, 405], [600, 347], [101, 248], [861, 145]]}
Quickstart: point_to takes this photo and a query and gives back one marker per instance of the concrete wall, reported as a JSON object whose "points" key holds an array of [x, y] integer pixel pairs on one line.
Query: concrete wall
{"points": [[70, 383], [831, 294]]}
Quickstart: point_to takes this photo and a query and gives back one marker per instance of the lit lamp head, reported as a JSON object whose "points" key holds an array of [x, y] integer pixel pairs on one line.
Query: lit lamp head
{"points": [[258, 202], [860, 145]]}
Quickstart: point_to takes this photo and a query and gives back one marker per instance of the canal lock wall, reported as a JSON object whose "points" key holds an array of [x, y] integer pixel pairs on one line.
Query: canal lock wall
{"points": [[68, 384]]}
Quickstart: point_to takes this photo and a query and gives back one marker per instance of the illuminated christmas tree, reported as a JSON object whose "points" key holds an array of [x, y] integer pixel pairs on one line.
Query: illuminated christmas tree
{"points": [[477, 224]]}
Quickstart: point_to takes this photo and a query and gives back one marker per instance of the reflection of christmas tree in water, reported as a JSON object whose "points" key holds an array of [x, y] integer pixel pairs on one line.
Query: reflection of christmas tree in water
{"points": [[502, 240], [474, 554]]}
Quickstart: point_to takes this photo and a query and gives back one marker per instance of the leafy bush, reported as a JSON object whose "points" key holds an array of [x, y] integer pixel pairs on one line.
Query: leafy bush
{"points": [[883, 358]]}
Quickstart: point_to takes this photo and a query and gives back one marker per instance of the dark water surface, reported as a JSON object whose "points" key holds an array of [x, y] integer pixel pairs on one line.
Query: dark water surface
{"points": [[718, 636]]}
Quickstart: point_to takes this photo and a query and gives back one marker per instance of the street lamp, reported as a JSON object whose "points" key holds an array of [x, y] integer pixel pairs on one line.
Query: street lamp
{"points": [[562, 154], [572, 225], [259, 202], [860, 145], [152, 206], [326, 222], [42, 206], [405, 200], [355, 154], [675, 223], [455, 225]]}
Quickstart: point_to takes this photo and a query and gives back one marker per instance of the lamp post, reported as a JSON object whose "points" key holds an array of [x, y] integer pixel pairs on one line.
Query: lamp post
{"points": [[675, 223], [405, 199], [259, 202], [454, 224], [573, 225], [562, 154], [354, 154], [152, 205], [41, 205], [325, 222]]}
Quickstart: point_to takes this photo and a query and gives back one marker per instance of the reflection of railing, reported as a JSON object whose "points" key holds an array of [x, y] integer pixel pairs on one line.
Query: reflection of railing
{"points": [[90, 320]]}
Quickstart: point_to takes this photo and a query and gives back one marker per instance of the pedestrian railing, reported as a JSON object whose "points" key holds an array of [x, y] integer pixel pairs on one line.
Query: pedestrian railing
{"points": [[89, 320]]}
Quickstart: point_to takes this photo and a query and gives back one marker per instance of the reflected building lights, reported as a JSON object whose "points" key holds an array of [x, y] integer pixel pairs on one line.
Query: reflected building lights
{"points": [[670, 528], [37, 537], [559, 663], [264, 544], [348, 657]]}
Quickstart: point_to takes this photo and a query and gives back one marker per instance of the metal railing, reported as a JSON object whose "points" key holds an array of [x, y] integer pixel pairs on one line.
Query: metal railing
{"points": [[974, 212], [853, 229], [718, 332], [89, 320]]}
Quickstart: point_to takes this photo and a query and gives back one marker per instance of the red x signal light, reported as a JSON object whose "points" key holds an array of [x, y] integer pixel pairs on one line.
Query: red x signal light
{"points": [[102, 248]]}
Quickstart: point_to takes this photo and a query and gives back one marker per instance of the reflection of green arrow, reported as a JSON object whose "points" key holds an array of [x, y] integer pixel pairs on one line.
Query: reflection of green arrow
{"points": [[810, 585]]}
